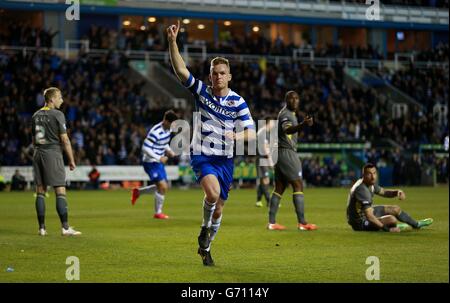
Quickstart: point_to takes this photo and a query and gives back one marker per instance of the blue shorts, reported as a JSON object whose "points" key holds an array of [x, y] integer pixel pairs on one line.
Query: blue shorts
{"points": [[155, 171], [219, 166]]}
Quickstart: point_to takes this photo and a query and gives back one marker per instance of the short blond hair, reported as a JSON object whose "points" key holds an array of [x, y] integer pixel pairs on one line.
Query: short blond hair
{"points": [[50, 92], [220, 60]]}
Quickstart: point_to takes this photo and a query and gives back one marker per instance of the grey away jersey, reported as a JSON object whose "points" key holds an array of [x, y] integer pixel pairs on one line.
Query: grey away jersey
{"points": [[47, 126], [359, 199], [262, 137], [287, 118]]}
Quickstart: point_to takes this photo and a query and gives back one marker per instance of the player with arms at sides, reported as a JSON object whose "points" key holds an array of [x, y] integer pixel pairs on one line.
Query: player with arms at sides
{"points": [[363, 216], [263, 169], [288, 169], [221, 110], [49, 136], [154, 151]]}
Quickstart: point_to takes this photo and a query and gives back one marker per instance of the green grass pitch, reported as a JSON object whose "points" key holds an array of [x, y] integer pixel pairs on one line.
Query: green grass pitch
{"points": [[123, 243]]}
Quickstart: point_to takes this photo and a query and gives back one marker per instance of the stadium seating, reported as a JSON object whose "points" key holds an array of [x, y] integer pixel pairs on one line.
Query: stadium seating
{"points": [[107, 116]]}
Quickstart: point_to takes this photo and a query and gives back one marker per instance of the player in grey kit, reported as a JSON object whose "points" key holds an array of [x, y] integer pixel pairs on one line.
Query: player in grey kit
{"points": [[363, 216], [288, 169], [49, 136], [264, 163]]}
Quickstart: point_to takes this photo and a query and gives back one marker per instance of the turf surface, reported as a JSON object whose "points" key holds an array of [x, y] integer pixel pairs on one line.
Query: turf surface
{"points": [[123, 243]]}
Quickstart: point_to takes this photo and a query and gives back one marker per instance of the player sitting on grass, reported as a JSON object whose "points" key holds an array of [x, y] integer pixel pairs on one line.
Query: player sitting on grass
{"points": [[154, 149], [362, 216]]}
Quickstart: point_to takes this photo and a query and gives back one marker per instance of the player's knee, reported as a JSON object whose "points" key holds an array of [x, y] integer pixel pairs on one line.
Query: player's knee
{"points": [[297, 186], [212, 193], [279, 189], [218, 211], [162, 188], [60, 190], [40, 190], [211, 190], [391, 220], [212, 196], [277, 194], [396, 210]]}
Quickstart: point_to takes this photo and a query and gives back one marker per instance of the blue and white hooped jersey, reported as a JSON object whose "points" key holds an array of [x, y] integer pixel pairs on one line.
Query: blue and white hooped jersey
{"points": [[155, 144], [218, 115]]}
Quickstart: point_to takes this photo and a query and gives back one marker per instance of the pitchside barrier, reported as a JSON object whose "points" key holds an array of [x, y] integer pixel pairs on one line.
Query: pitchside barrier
{"points": [[438, 152], [108, 173], [183, 173], [350, 156]]}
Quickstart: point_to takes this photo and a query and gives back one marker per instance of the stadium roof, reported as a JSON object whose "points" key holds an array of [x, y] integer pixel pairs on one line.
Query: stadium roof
{"points": [[333, 14]]}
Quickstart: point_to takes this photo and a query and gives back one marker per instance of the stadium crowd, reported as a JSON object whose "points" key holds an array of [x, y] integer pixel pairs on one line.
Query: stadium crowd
{"points": [[108, 115], [439, 53], [100, 37], [411, 170], [152, 39], [342, 114], [23, 34], [428, 86]]}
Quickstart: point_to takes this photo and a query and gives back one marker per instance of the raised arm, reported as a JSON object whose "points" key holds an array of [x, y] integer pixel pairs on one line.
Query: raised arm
{"points": [[176, 60]]}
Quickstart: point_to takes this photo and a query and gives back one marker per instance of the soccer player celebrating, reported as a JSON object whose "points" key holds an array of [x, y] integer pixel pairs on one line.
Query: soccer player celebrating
{"points": [[49, 136], [221, 109], [154, 151], [362, 216], [263, 169], [288, 169]]}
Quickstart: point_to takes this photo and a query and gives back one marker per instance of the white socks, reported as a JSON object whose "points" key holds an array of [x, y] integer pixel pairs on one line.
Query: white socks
{"points": [[159, 201], [215, 224], [208, 210]]}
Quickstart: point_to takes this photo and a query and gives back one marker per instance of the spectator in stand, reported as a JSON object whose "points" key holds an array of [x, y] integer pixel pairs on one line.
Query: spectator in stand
{"points": [[94, 178], [23, 34], [114, 96], [18, 181]]}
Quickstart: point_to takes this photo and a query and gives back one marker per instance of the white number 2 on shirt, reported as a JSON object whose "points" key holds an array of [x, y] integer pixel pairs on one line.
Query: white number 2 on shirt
{"points": [[40, 134]]}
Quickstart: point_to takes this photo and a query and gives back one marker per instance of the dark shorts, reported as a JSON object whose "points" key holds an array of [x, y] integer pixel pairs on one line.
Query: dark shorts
{"points": [[48, 168], [219, 166], [288, 167], [378, 211], [262, 171], [366, 225]]}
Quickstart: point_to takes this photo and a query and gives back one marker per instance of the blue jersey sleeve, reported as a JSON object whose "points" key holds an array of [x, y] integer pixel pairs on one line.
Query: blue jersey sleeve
{"points": [[195, 86]]}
